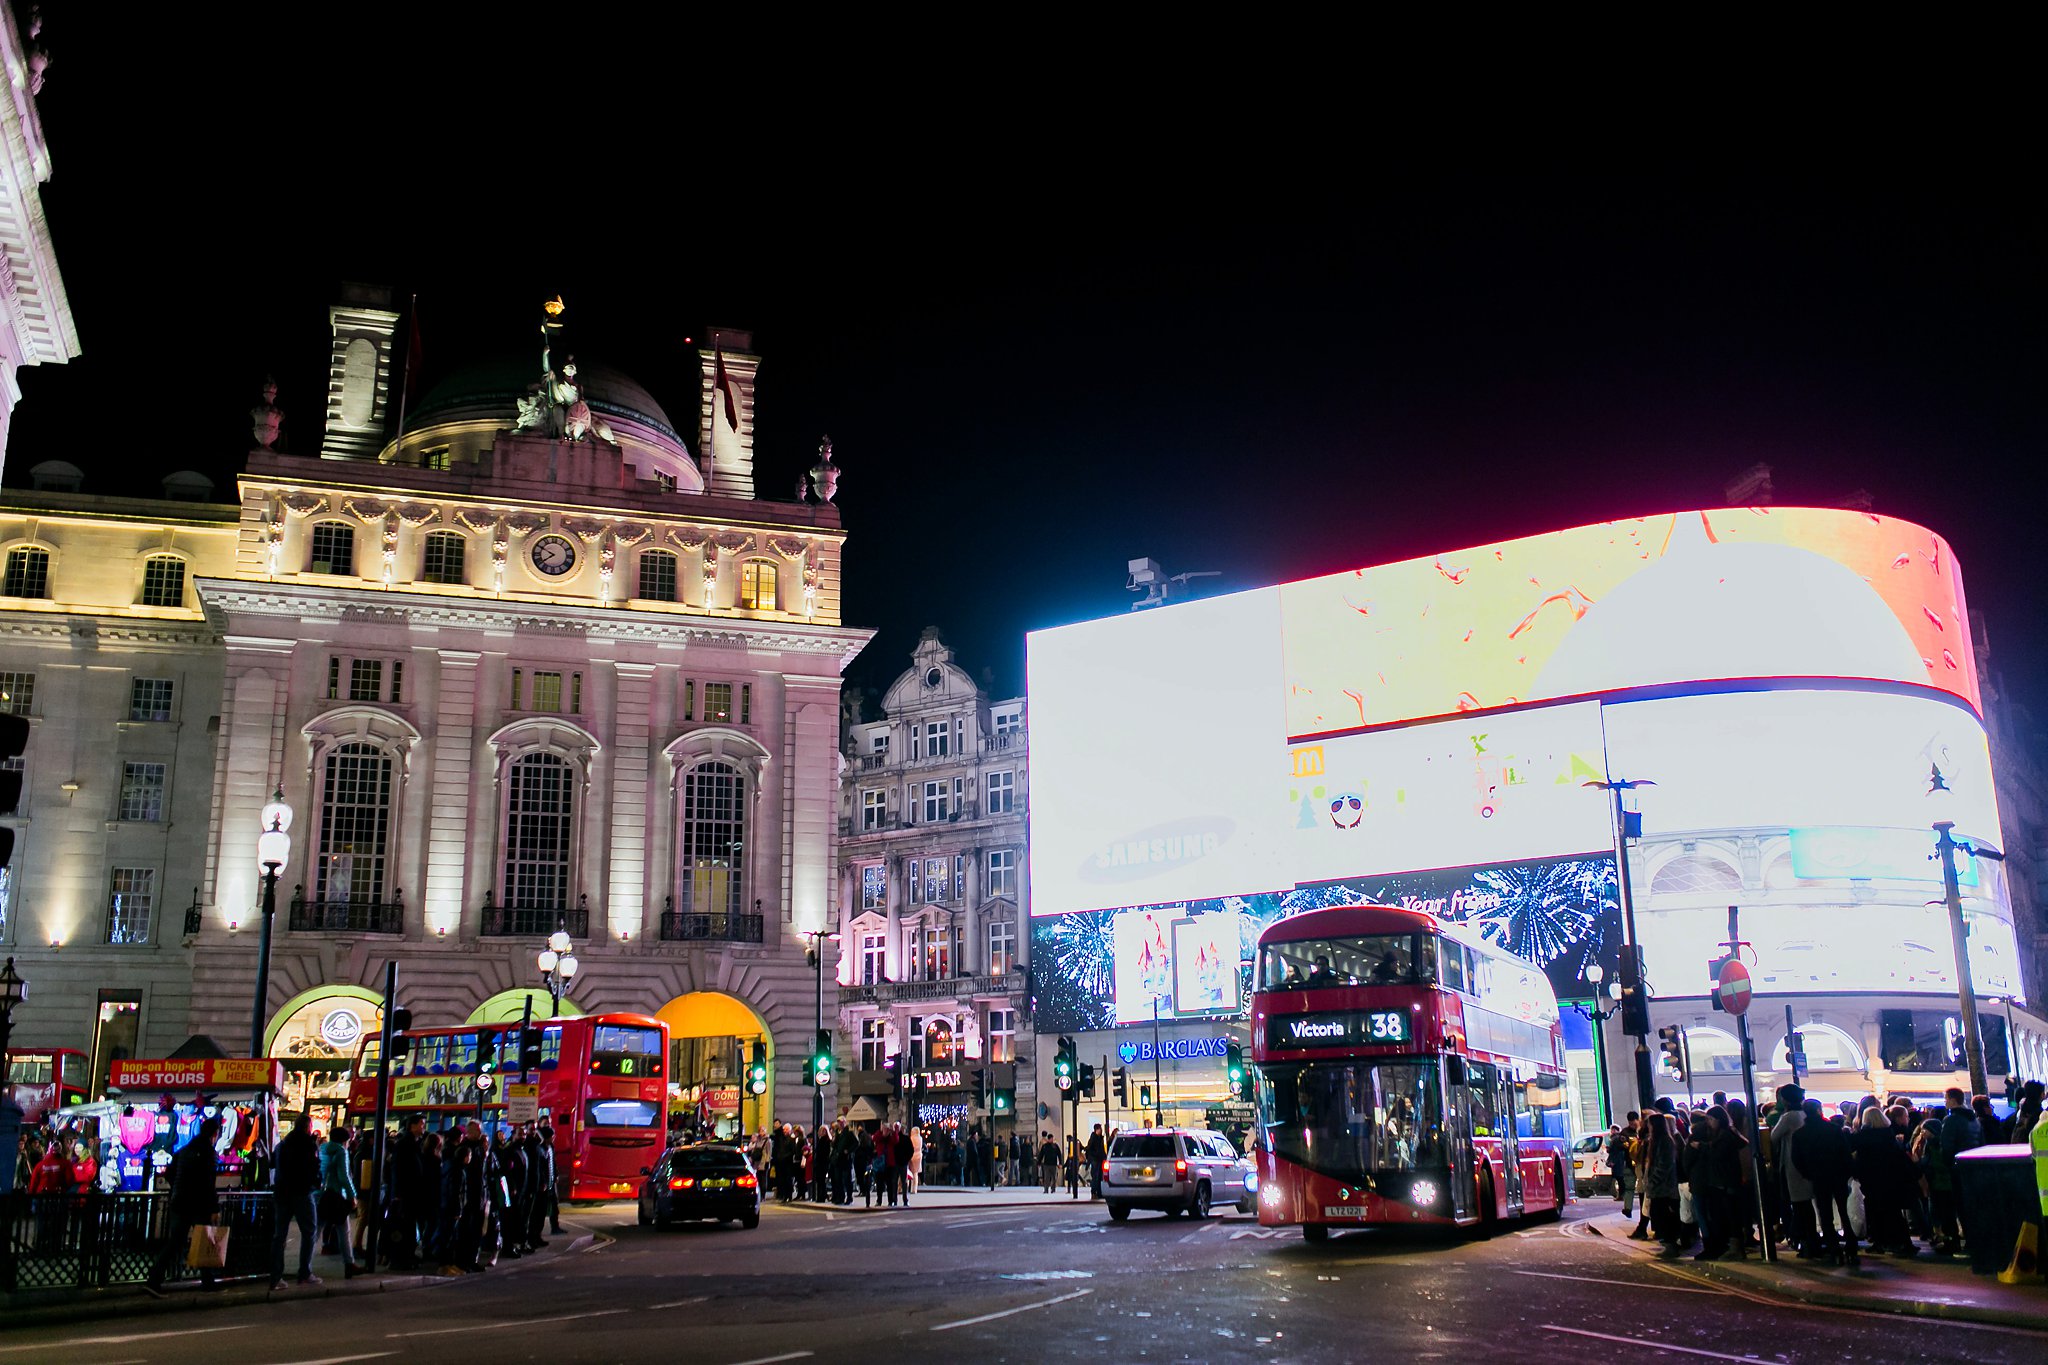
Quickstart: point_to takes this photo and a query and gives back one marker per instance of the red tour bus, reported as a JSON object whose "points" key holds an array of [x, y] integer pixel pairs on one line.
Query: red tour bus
{"points": [[603, 1081], [44, 1082], [1406, 1073]]}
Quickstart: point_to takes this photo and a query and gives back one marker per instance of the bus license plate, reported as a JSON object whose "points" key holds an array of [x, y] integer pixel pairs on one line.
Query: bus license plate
{"points": [[1343, 1211]]}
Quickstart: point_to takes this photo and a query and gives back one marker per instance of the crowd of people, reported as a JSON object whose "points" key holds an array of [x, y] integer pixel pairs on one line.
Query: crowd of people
{"points": [[884, 1165], [1831, 1186]]}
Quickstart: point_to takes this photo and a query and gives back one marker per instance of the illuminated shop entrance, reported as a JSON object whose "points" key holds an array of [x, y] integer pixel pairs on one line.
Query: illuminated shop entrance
{"points": [[316, 1036], [711, 1038]]}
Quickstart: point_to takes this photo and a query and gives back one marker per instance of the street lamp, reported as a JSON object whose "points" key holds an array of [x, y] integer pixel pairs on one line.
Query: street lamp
{"points": [[1635, 998], [13, 990], [1941, 803], [557, 968], [273, 850], [1594, 975], [817, 956]]}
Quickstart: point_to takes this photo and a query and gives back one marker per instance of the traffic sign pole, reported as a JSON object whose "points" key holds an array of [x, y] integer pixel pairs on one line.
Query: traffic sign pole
{"points": [[1741, 1013]]}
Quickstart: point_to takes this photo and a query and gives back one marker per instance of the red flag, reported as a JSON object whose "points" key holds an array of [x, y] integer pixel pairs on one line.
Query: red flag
{"points": [[732, 402]]}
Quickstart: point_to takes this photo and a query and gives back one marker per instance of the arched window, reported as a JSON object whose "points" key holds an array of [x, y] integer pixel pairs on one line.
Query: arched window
{"points": [[355, 824], [757, 585], [28, 573], [334, 548], [939, 1047], [1713, 1051], [713, 839], [657, 576], [539, 831], [163, 581], [1694, 874], [441, 558], [1827, 1048]]}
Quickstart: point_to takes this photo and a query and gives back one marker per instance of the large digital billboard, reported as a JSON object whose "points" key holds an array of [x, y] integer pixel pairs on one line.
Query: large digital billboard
{"points": [[1747, 592]]}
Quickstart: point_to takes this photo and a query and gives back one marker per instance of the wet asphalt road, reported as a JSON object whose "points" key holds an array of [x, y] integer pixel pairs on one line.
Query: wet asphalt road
{"points": [[1037, 1285]]}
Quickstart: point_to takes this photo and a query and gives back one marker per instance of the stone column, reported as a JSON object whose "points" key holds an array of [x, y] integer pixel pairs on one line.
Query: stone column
{"points": [[892, 951], [626, 877], [971, 939], [448, 798]]}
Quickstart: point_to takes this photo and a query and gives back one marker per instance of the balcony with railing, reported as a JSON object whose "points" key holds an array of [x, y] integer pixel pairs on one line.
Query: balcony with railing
{"points": [[534, 921], [695, 926], [943, 988], [348, 914]]}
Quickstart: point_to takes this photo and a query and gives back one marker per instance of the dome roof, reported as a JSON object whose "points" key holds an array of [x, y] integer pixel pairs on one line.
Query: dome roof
{"points": [[497, 385]]}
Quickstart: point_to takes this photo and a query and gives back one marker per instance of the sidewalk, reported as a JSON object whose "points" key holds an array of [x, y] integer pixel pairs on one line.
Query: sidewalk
{"points": [[53, 1307], [954, 1197], [1922, 1286]]}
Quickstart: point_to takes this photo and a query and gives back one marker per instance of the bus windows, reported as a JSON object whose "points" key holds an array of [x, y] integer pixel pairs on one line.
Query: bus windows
{"points": [[1480, 1099], [1539, 1107], [1347, 1119], [1379, 959], [624, 1114], [621, 1050], [1453, 972]]}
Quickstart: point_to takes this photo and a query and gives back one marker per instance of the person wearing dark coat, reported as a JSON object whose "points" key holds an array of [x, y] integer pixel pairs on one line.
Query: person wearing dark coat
{"points": [[195, 1202], [1820, 1151], [456, 1154], [1716, 1172], [296, 1165], [1881, 1169], [514, 1213], [401, 1206], [844, 1146], [430, 1200], [540, 1180]]}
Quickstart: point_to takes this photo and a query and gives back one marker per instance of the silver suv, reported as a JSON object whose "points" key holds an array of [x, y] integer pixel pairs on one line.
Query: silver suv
{"points": [[1174, 1170]]}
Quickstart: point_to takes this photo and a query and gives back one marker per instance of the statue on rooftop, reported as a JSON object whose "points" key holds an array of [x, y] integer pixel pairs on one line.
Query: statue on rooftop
{"points": [[556, 404]]}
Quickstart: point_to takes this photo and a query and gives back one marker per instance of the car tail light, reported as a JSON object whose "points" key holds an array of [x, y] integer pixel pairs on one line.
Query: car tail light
{"points": [[1180, 1167], [746, 1182], [682, 1182], [1105, 1168]]}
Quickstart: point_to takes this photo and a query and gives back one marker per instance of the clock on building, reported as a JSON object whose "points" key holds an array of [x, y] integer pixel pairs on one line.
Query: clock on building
{"points": [[554, 555]]}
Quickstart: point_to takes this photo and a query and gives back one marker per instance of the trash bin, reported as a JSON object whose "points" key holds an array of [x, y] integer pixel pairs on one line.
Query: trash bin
{"points": [[1995, 1189]]}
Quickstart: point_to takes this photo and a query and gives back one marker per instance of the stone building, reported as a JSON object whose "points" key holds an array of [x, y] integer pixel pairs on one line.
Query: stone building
{"points": [[542, 662], [36, 327], [932, 917]]}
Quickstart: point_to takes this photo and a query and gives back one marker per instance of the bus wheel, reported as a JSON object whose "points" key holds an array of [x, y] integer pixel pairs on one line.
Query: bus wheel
{"points": [[1556, 1210], [1489, 1216], [1315, 1234]]}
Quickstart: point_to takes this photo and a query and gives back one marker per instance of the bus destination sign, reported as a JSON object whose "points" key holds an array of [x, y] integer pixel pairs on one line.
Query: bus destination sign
{"points": [[1338, 1028]]}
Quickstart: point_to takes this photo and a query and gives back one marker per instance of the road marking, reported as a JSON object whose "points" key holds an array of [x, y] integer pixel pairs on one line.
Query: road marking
{"points": [[680, 1303], [1008, 1312], [1632, 1284], [1654, 1345], [512, 1322], [983, 1220], [339, 1360], [1052, 1275], [770, 1360], [131, 1336], [1256, 1232]]}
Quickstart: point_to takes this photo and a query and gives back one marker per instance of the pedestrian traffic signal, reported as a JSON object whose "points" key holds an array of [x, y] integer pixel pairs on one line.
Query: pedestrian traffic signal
{"points": [[1144, 1097], [13, 740], [1233, 1066], [1670, 1042], [757, 1071], [821, 1060], [1087, 1081], [1120, 1086], [529, 1049], [1063, 1065], [486, 1063]]}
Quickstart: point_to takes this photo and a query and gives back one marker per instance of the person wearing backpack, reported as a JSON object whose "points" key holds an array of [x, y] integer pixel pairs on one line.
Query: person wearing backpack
{"points": [[1958, 1133]]}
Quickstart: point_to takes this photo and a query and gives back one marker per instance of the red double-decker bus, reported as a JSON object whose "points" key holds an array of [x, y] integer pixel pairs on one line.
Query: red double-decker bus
{"points": [[1406, 1073], [46, 1081], [603, 1082]]}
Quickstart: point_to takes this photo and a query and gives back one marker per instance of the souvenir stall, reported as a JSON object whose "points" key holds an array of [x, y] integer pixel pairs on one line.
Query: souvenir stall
{"points": [[157, 1106]]}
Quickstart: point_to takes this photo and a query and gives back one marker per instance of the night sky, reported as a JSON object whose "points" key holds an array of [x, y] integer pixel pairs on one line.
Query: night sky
{"points": [[1045, 345]]}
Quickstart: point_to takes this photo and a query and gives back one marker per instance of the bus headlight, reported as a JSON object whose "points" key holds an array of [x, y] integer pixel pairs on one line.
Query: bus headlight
{"points": [[1422, 1192]]}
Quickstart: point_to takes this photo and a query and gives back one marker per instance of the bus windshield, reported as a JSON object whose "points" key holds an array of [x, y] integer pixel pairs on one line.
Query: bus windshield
{"points": [[1348, 1119], [617, 1050], [1374, 960]]}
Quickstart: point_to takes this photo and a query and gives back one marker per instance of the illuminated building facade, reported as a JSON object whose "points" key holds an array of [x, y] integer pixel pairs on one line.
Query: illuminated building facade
{"points": [[1424, 733], [513, 676], [36, 327], [933, 942]]}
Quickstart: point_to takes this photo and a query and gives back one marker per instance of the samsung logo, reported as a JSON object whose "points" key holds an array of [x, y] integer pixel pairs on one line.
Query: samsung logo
{"points": [[1157, 849]]}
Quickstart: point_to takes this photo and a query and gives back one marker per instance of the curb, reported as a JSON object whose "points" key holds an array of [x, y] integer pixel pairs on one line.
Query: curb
{"points": [[811, 1206], [1779, 1286], [130, 1302]]}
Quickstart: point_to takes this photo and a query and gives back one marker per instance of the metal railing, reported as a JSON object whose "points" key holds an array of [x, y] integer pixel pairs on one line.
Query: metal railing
{"points": [[534, 921], [944, 988], [94, 1239], [688, 926], [350, 916]]}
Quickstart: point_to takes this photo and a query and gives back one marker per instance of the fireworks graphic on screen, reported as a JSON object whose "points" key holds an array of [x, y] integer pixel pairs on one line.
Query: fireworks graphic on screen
{"points": [[1548, 913], [1072, 960]]}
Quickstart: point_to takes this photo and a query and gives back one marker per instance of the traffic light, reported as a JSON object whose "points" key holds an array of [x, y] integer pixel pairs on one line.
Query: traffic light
{"points": [[529, 1049], [13, 740], [1120, 1086], [1063, 1065], [1233, 1066], [486, 1062], [821, 1060], [981, 1089], [757, 1070], [1669, 1043], [1002, 1102], [1144, 1097], [1087, 1081], [401, 1020]]}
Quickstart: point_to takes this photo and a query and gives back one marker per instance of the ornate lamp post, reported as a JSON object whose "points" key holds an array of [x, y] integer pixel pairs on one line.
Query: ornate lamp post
{"points": [[1598, 1016], [13, 990], [557, 968], [273, 850]]}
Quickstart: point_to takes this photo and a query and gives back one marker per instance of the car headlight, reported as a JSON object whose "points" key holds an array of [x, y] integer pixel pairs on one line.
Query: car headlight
{"points": [[1251, 1182], [1422, 1192]]}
